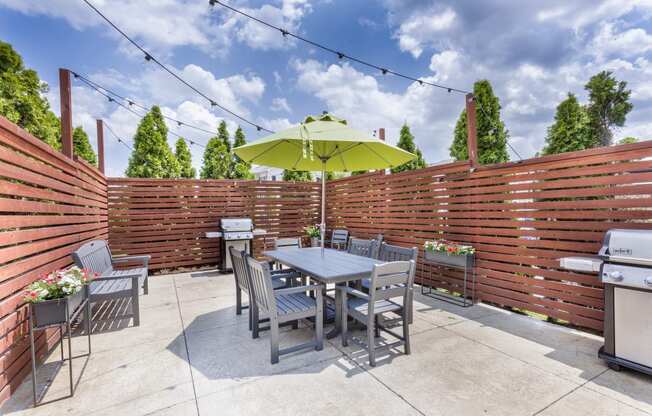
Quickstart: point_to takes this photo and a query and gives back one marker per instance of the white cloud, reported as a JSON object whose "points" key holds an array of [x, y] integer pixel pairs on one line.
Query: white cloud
{"points": [[421, 28], [445, 64], [609, 41], [280, 104]]}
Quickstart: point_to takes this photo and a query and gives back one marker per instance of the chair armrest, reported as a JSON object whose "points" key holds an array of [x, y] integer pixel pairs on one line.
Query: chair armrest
{"points": [[354, 292], [298, 289], [124, 276], [126, 259]]}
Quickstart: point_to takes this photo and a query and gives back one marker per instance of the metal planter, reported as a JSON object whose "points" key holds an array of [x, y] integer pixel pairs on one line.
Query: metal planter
{"points": [[55, 311], [464, 260], [314, 241]]}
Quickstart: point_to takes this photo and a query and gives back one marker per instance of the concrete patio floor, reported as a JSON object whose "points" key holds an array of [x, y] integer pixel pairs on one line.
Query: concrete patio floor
{"points": [[192, 355]]}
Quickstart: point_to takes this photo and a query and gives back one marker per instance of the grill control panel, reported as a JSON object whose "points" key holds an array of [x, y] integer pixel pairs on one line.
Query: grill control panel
{"points": [[631, 276]]}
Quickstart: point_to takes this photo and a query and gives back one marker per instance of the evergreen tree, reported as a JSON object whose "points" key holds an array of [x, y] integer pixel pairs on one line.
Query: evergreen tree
{"points": [[182, 153], [82, 147], [492, 134], [628, 140], [297, 175], [152, 156], [239, 168], [571, 130], [217, 160], [608, 105], [21, 98], [223, 134], [406, 142]]}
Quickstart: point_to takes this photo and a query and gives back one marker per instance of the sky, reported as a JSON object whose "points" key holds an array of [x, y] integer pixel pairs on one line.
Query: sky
{"points": [[533, 55]]}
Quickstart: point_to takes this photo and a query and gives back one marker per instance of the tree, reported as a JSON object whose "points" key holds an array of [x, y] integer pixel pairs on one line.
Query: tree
{"points": [[628, 140], [217, 160], [297, 175], [239, 168], [571, 130], [182, 153], [406, 142], [608, 105], [152, 156], [82, 147], [492, 134], [21, 98]]}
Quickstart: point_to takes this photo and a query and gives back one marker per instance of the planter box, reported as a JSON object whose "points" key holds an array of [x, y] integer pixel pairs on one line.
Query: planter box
{"points": [[314, 241], [465, 260], [51, 312]]}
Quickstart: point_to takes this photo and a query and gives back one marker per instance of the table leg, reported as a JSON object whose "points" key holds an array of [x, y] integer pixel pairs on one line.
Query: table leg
{"points": [[337, 328]]}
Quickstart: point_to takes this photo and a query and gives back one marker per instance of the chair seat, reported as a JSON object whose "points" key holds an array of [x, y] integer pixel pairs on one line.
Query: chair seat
{"points": [[278, 284], [285, 274], [381, 306], [105, 287], [294, 302]]}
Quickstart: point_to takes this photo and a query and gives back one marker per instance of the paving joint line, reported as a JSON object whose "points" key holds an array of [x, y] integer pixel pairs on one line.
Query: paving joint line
{"points": [[185, 342], [573, 390]]}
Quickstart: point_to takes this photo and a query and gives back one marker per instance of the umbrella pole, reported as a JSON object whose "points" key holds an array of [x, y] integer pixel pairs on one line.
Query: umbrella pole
{"points": [[322, 226]]}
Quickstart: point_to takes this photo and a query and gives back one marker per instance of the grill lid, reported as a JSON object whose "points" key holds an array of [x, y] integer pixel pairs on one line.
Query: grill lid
{"points": [[627, 246], [236, 224]]}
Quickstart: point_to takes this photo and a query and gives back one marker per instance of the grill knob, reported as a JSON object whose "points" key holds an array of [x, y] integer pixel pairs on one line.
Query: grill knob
{"points": [[616, 275], [648, 280]]}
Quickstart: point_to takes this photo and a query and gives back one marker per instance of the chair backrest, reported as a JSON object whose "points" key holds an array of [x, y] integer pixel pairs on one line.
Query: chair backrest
{"points": [[391, 280], [94, 256], [360, 247], [260, 280], [287, 242], [239, 268], [390, 252], [339, 236]]}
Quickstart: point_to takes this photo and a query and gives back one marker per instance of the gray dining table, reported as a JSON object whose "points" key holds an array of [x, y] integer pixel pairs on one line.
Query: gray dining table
{"points": [[327, 266]]}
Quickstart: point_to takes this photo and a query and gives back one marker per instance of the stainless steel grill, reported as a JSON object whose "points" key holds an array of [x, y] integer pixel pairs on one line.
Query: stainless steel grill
{"points": [[624, 264], [238, 233]]}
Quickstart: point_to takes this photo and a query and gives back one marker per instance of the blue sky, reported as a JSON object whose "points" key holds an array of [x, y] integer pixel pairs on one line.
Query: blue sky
{"points": [[533, 55]]}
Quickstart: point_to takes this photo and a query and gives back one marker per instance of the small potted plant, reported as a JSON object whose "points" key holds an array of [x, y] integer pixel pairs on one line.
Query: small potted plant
{"points": [[59, 291], [449, 253], [312, 231]]}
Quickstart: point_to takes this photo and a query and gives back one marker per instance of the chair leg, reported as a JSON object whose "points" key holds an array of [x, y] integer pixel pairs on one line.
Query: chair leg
{"points": [[345, 319], [250, 315], [254, 322], [406, 333], [274, 338], [238, 300], [319, 324], [376, 328], [410, 306], [146, 285], [371, 341], [135, 304]]}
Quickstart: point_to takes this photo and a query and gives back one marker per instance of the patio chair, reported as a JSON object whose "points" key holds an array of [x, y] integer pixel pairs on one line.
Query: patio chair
{"points": [[388, 281], [291, 275], [388, 252], [339, 239], [285, 305], [113, 284], [360, 247]]}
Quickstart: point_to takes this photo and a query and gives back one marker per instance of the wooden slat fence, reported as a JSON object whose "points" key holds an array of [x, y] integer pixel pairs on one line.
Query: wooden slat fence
{"points": [[49, 205], [169, 218], [521, 217]]}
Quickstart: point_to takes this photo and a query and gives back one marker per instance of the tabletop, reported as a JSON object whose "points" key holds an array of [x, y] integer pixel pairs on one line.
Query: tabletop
{"points": [[331, 266]]}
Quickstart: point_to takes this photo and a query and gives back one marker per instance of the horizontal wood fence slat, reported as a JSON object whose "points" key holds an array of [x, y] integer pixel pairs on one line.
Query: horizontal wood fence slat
{"points": [[169, 218], [49, 206], [521, 217]]}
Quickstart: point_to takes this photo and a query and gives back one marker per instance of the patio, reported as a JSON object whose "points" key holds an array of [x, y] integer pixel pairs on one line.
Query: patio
{"points": [[192, 355]]}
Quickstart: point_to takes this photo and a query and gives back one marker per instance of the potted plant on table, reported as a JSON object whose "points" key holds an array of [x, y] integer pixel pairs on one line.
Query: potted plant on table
{"points": [[58, 292], [313, 232], [448, 253]]}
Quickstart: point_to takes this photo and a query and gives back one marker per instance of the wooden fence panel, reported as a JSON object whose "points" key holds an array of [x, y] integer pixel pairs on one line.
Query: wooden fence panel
{"points": [[521, 217], [169, 218], [49, 206]]}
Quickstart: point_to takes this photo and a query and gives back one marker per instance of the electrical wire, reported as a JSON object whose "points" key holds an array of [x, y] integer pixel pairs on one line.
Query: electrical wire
{"points": [[150, 58], [495, 128], [339, 54]]}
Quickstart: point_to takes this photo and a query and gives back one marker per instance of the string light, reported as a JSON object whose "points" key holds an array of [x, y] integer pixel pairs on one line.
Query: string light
{"points": [[150, 58], [117, 137], [339, 54], [101, 89]]}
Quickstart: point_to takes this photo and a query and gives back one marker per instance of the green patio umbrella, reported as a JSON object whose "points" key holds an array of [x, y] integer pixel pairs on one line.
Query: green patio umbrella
{"points": [[323, 143]]}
